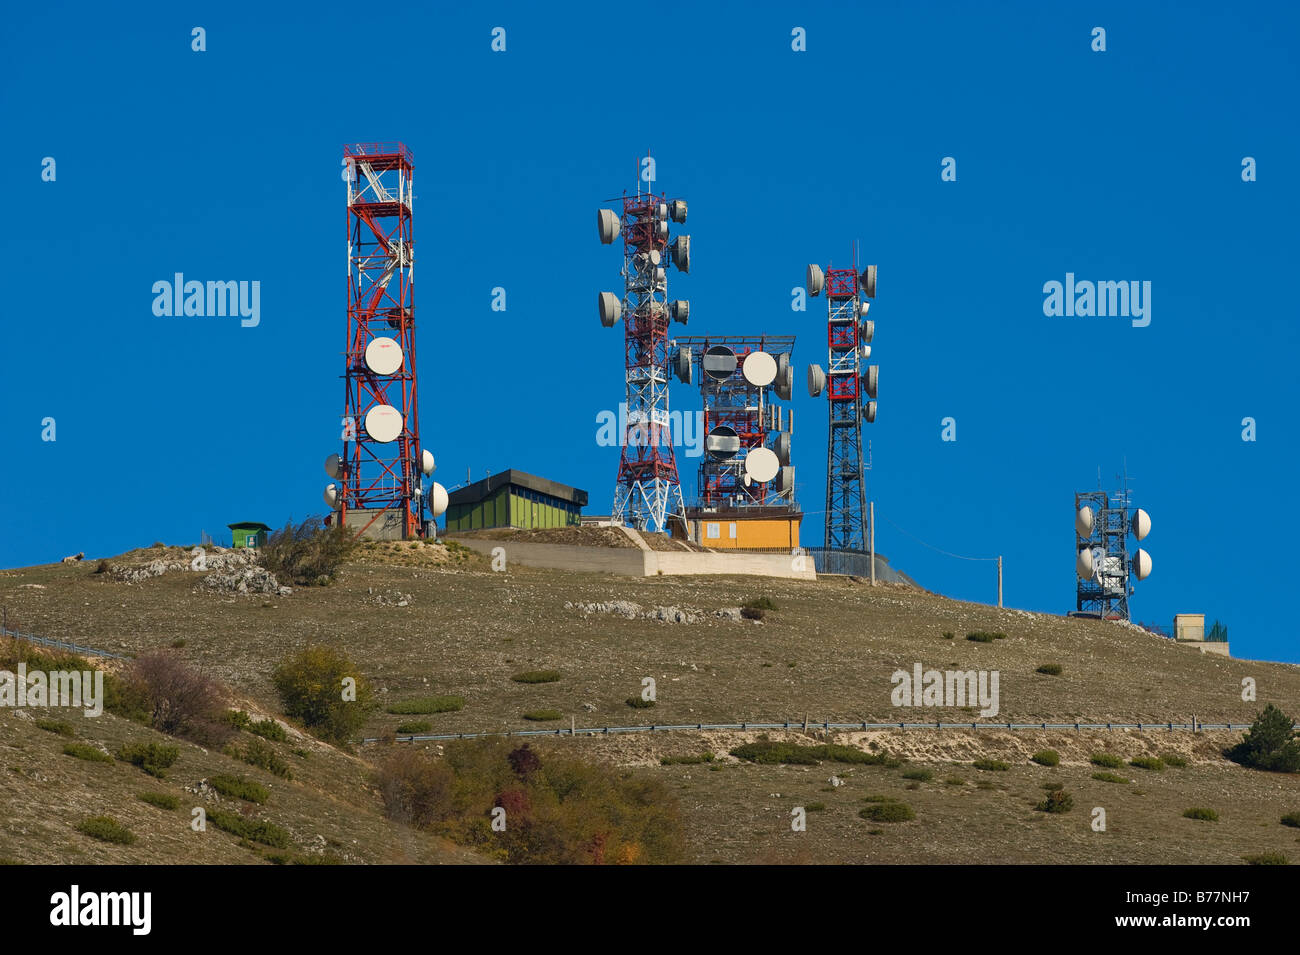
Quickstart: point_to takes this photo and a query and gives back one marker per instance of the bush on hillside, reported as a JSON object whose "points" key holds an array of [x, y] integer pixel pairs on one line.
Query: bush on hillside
{"points": [[162, 691], [311, 687], [307, 554], [1270, 744]]}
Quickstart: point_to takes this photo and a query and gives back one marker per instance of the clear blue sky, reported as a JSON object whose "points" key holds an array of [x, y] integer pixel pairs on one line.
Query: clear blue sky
{"points": [[1114, 166]]}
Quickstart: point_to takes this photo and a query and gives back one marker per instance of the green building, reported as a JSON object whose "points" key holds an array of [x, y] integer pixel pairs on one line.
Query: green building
{"points": [[248, 534], [514, 499]]}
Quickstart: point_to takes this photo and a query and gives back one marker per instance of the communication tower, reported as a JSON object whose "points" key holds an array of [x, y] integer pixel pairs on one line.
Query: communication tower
{"points": [[1102, 525], [648, 491], [846, 382]]}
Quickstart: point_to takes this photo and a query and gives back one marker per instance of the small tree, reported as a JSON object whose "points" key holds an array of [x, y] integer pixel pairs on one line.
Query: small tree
{"points": [[175, 698], [1271, 744], [325, 690], [309, 553]]}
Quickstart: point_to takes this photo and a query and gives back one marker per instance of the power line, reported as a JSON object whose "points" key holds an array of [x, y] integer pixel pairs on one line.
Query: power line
{"points": [[932, 547]]}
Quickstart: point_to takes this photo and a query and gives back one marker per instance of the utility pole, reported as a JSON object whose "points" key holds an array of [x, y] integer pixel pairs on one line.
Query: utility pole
{"points": [[871, 536], [999, 580]]}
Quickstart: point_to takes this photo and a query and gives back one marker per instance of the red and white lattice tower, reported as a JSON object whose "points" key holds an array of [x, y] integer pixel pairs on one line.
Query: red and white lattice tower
{"points": [[381, 465], [648, 492]]}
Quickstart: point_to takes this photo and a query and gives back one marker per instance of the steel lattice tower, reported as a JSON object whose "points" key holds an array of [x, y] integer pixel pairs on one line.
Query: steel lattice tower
{"points": [[648, 491], [845, 382], [381, 478]]}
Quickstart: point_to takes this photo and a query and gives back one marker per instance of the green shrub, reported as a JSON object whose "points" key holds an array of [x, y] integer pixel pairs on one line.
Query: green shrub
{"points": [[983, 636], [238, 719], [1051, 669], [87, 752], [309, 554], [255, 830], [62, 727], [537, 676], [1267, 858], [1206, 815], [1271, 744], [1047, 757], [991, 765], [1153, 763], [154, 758], [639, 703], [263, 756], [1173, 759], [760, 603], [311, 686], [1107, 760], [815, 807], [178, 643], [426, 705], [161, 800], [752, 613], [238, 788], [1109, 777], [1292, 819], [106, 829], [690, 760], [948, 635], [920, 775], [954, 781], [769, 752], [1057, 801], [413, 726], [542, 716], [887, 812]]}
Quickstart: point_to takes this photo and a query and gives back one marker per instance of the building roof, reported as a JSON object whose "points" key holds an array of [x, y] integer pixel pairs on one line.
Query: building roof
{"points": [[479, 490], [249, 525]]}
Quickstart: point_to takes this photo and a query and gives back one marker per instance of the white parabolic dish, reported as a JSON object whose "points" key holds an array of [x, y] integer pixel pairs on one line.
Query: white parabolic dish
{"points": [[384, 356], [1083, 522], [383, 423], [437, 497], [759, 369], [331, 495], [762, 464], [426, 463], [334, 466]]}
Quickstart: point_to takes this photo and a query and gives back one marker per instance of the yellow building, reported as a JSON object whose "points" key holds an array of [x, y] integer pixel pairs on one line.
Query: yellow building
{"points": [[750, 528]]}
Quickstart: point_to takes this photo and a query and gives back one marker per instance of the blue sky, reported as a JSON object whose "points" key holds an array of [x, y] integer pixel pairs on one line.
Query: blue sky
{"points": [[1122, 165]]}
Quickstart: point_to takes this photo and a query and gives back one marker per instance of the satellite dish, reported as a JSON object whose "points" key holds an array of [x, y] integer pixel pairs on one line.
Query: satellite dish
{"points": [[862, 308], [609, 226], [1083, 522], [332, 496], [681, 250], [719, 362], [1083, 565], [784, 382], [869, 412], [661, 229], [782, 448], [682, 364], [871, 380], [815, 280], [1141, 524], [661, 210], [680, 309], [437, 499], [384, 356], [611, 309], [1141, 564], [761, 465], [868, 281], [334, 466], [864, 351], [785, 480], [426, 463], [722, 442], [867, 331], [816, 380], [677, 209], [383, 423], [759, 369]]}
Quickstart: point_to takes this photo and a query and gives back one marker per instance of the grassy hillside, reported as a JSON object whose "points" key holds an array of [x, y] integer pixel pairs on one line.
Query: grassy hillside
{"points": [[423, 622]]}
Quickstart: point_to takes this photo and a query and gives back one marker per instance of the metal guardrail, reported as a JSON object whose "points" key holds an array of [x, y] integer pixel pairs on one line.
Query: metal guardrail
{"points": [[59, 644], [804, 725]]}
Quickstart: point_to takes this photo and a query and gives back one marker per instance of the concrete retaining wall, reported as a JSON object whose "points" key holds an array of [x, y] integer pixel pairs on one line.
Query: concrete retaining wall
{"points": [[626, 562]]}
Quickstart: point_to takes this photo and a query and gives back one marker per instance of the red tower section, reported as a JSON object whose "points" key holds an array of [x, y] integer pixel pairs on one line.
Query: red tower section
{"points": [[381, 461]]}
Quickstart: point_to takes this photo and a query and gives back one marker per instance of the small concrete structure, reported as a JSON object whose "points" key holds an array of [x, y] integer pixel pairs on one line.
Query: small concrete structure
{"points": [[1189, 630], [629, 562]]}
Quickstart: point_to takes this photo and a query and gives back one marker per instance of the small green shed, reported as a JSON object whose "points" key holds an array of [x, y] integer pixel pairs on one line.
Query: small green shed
{"points": [[248, 534]]}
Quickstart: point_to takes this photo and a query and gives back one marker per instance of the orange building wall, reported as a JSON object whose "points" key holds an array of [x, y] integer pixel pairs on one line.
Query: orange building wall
{"points": [[752, 534]]}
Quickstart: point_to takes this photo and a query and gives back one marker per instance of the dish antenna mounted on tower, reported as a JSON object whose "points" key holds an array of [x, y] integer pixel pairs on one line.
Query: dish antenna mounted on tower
{"points": [[648, 491], [382, 465], [847, 381], [1103, 562]]}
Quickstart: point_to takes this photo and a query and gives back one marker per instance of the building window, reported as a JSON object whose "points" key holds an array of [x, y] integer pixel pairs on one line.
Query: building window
{"points": [[713, 531], [733, 530]]}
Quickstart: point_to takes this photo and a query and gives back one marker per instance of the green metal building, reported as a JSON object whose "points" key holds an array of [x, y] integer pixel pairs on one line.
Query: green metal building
{"points": [[248, 534], [514, 499]]}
